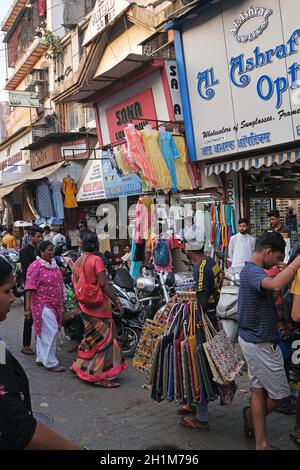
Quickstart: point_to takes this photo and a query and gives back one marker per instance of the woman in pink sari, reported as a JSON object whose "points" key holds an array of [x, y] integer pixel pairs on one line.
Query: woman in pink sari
{"points": [[45, 303]]}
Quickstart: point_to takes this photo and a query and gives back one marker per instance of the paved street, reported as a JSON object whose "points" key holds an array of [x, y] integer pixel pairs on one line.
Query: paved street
{"points": [[126, 418]]}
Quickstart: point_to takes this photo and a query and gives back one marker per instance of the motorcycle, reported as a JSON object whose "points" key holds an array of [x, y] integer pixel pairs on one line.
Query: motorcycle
{"points": [[156, 288], [130, 324], [228, 302], [12, 257]]}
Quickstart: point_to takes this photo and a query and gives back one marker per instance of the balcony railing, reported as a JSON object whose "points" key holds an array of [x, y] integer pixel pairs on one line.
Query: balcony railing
{"points": [[20, 37]]}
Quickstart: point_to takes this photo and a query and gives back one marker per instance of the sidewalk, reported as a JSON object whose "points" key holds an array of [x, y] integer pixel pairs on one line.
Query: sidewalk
{"points": [[126, 417]]}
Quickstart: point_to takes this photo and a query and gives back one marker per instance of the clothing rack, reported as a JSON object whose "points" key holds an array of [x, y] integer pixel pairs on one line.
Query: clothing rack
{"points": [[180, 124]]}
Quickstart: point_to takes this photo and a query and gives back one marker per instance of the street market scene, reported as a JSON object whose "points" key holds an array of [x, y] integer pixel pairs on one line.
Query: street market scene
{"points": [[150, 225]]}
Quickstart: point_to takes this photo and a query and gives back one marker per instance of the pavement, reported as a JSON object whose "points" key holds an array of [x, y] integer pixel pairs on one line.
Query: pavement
{"points": [[126, 418]]}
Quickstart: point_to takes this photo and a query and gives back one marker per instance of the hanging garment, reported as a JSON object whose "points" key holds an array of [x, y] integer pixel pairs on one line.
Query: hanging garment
{"points": [[44, 201], [171, 154], [183, 180], [152, 143], [27, 213], [104, 242], [128, 166], [136, 151], [57, 199], [69, 190]]}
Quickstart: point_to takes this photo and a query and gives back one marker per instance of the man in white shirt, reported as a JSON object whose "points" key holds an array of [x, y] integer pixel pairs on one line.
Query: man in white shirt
{"points": [[241, 246]]}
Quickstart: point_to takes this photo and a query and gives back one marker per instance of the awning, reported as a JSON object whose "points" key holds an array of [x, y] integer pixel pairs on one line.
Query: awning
{"points": [[35, 175], [254, 162]]}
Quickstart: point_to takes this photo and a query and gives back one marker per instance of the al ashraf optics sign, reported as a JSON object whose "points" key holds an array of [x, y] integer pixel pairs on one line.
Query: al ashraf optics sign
{"points": [[244, 82]]}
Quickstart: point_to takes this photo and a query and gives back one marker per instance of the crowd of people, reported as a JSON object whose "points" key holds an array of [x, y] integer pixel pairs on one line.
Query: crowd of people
{"points": [[99, 357]]}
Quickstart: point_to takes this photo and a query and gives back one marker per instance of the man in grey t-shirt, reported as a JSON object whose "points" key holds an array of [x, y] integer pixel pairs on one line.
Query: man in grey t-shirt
{"points": [[258, 337]]}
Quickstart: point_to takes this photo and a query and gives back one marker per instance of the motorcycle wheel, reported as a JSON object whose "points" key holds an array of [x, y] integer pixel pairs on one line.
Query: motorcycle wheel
{"points": [[129, 340]]}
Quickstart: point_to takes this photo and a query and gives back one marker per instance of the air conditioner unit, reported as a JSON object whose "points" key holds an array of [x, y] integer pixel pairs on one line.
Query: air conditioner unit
{"points": [[35, 77]]}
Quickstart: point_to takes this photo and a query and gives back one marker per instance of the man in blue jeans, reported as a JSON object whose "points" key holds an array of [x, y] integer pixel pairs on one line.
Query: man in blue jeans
{"points": [[208, 279], [258, 334]]}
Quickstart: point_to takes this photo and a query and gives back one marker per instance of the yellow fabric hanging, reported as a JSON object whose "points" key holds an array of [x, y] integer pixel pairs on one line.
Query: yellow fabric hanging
{"points": [[183, 179]]}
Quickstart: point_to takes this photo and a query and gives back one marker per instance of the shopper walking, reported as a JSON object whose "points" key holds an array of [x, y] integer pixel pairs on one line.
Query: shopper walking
{"points": [[45, 303], [258, 334], [241, 245], [99, 358], [18, 428], [28, 256]]}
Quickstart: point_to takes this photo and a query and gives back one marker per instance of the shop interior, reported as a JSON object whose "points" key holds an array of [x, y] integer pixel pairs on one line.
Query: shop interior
{"points": [[275, 187]]}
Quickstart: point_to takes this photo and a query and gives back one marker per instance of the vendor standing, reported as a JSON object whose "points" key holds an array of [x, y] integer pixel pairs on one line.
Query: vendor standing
{"points": [[208, 279], [276, 225]]}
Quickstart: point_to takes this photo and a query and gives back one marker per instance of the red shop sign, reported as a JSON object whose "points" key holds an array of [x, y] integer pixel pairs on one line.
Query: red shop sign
{"points": [[137, 109]]}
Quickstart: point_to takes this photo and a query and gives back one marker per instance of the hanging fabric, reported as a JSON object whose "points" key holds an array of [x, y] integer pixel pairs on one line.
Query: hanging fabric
{"points": [[152, 145], [58, 202], [137, 154], [171, 154], [183, 180], [44, 200]]}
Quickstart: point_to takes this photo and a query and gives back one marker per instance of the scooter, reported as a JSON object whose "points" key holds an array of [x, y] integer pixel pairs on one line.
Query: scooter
{"points": [[227, 305], [130, 324]]}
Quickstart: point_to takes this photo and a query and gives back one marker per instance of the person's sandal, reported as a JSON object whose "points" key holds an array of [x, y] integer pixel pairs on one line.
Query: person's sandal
{"points": [[248, 431], [28, 351], [56, 369], [107, 384], [193, 423], [186, 410]]}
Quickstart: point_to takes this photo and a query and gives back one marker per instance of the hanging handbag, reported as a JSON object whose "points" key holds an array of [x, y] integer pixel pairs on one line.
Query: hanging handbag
{"points": [[224, 355], [86, 293], [192, 346]]}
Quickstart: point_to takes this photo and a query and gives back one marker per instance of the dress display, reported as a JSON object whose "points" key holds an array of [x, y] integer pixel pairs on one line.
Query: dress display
{"points": [[57, 199], [44, 200], [69, 190], [183, 180], [137, 153], [152, 142], [171, 154]]}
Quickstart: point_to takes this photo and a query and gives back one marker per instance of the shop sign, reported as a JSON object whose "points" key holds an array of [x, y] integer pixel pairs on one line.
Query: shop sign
{"points": [[173, 80], [20, 117], [103, 182], [104, 13], [24, 99], [244, 86], [11, 162], [44, 156], [92, 187], [139, 109], [117, 186]]}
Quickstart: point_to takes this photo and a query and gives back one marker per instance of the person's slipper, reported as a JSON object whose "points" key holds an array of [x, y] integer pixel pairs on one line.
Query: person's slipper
{"points": [[186, 410], [27, 350], [56, 369], [295, 437], [193, 423], [107, 384], [248, 431]]}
